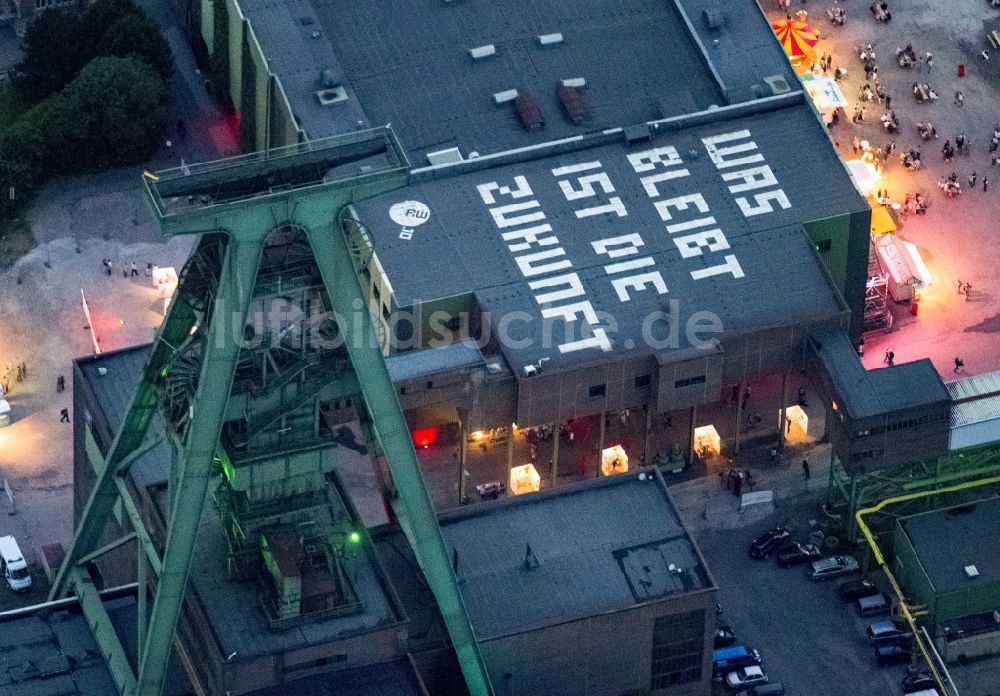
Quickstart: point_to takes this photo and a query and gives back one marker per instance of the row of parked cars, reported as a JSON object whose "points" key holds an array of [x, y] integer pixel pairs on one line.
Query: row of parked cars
{"points": [[890, 640], [778, 542], [740, 667]]}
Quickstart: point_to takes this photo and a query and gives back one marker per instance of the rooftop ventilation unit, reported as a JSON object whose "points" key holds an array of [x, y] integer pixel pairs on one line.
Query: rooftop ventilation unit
{"points": [[449, 156], [529, 112], [480, 52], [573, 102], [971, 571], [574, 82], [778, 84], [713, 19], [332, 95], [530, 371], [507, 95], [637, 133], [494, 368], [550, 39]]}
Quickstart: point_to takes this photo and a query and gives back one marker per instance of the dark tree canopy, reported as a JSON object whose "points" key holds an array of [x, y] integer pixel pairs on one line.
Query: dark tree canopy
{"points": [[110, 114], [135, 35], [53, 55]]}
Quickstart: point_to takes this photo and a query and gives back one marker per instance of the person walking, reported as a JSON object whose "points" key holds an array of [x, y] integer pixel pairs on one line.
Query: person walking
{"points": [[959, 98], [135, 269], [805, 470], [24, 370], [60, 384], [64, 416], [959, 365], [929, 61], [986, 183], [972, 180], [110, 266], [890, 358]]}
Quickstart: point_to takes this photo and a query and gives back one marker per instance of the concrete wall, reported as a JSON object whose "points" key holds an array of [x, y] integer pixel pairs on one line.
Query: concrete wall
{"points": [[604, 655], [559, 396]]}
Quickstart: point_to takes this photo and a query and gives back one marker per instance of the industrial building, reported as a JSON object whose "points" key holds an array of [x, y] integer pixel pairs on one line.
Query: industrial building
{"points": [[948, 562], [467, 217]]}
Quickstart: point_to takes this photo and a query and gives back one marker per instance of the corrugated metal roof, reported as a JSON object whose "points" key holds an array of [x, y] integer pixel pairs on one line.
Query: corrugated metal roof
{"points": [[975, 411], [602, 546], [975, 386]]}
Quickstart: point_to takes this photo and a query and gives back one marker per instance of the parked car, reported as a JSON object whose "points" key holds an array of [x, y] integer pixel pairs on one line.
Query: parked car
{"points": [[919, 681], [874, 605], [833, 567], [768, 542], [746, 676], [770, 689], [796, 553], [851, 590], [885, 630], [724, 636], [891, 652], [725, 660]]}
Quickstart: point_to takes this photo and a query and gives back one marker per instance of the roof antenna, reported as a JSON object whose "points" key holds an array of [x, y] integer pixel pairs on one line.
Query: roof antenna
{"points": [[530, 561]]}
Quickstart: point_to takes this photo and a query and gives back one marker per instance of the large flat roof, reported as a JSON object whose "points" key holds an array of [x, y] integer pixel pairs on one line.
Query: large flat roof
{"points": [[409, 64], [601, 546], [948, 540], [457, 245], [872, 393]]}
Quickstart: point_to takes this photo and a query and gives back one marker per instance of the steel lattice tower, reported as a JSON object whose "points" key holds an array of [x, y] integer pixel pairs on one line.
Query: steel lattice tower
{"points": [[269, 229]]}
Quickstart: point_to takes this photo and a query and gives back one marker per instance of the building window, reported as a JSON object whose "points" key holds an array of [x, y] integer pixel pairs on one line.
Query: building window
{"points": [[402, 391], [824, 246], [643, 381], [596, 391], [678, 643], [385, 312], [689, 382], [430, 385]]}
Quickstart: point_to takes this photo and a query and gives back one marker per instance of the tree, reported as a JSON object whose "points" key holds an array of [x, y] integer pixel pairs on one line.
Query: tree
{"points": [[135, 35], [53, 55], [111, 114], [24, 143]]}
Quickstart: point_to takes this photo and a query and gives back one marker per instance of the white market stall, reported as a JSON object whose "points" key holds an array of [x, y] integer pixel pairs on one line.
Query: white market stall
{"points": [[865, 175], [904, 266], [614, 460], [4, 413], [165, 282], [523, 479], [825, 93], [796, 423], [707, 440]]}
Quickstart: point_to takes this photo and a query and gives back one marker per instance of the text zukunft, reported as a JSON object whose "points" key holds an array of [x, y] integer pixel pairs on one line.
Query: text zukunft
{"points": [[542, 260]]}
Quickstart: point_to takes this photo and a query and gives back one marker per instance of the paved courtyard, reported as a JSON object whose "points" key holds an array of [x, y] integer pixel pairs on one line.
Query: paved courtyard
{"points": [[957, 237]]}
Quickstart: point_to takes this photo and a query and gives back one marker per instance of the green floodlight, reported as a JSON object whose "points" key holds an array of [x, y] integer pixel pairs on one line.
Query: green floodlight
{"points": [[354, 537]]}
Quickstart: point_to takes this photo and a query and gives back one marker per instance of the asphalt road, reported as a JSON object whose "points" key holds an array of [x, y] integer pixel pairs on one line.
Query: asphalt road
{"points": [[810, 640]]}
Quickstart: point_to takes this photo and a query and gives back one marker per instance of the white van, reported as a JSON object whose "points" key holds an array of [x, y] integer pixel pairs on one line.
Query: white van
{"points": [[13, 565]]}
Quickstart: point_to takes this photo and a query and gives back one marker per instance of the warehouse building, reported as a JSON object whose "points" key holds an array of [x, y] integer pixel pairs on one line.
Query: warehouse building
{"points": [[948, 561]]}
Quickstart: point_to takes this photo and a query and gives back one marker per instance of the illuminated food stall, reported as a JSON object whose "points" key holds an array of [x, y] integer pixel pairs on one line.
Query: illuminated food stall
{"points": [[796, 423], [903, 264], [523, 479], [706, 439], [614, 460]]}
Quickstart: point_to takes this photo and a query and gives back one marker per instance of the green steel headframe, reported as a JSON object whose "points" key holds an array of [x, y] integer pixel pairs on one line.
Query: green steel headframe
{"points": [[233, 205]]}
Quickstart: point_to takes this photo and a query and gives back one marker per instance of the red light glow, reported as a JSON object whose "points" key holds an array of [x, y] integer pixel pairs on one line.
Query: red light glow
{"points": [[422, 437]]}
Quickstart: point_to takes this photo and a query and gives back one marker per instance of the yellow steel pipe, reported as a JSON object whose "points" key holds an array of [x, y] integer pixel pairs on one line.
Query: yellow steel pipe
{"points": [[880, 559]]}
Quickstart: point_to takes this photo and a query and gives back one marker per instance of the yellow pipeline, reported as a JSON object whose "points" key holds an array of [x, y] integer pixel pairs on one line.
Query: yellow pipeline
{"points": [[859, 517]]}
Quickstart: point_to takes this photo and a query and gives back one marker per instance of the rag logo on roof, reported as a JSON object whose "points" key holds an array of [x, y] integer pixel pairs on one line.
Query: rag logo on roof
{"points": [[409, 214]]}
